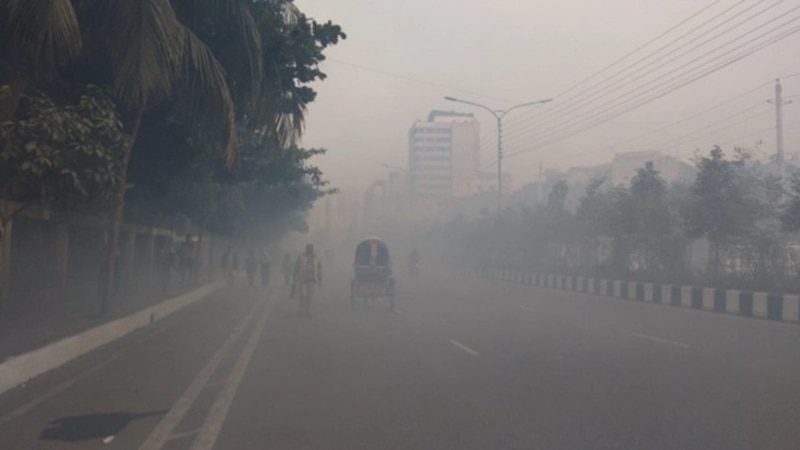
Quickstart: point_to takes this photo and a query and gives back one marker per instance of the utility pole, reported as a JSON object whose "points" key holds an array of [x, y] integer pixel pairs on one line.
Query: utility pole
{"points": [[499, 162], [780, 159], [779, 126], [499, 114]]}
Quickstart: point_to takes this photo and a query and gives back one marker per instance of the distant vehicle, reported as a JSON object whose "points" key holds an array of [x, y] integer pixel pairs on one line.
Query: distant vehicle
{"points": [[372, 277]]}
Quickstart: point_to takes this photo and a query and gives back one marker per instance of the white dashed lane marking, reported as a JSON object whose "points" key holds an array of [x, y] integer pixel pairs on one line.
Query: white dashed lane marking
{"points": [[463, 347], [661, 340]]}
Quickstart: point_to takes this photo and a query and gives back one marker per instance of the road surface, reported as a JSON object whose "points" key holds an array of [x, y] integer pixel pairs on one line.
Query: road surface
{"points": [[462, 364]]}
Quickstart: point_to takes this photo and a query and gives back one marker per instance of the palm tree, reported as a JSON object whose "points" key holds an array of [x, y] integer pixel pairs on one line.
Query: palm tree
{"points": [[37, 38], [152, 57]]}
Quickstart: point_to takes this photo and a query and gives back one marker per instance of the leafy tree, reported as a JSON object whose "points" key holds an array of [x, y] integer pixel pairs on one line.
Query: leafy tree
{"points": [[592, 217], [790, 218], [141, 49], [720, 206], [557, 199], [212, 70], [291, 48], [56, 154], [648, 192]]}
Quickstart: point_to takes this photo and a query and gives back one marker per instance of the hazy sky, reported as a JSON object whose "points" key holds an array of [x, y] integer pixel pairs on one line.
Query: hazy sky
{"points": [[402, 57]]}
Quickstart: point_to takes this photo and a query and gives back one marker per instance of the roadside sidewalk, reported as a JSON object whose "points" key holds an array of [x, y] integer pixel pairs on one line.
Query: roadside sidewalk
{"points": [[74, 311]]}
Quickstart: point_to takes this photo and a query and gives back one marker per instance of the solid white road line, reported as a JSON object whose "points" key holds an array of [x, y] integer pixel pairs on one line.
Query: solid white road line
{"points": [[160, 435], [661, 340], [219, 410], [463, 347], [184, 434], [61, 387]]}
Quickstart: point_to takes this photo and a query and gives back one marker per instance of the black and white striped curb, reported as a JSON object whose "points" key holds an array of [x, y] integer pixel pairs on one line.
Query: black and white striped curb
{"points": [[779, 307]]}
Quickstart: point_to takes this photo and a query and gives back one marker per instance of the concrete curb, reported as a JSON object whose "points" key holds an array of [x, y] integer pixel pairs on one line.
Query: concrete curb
{"points": [[762, 305], [21, 368]]}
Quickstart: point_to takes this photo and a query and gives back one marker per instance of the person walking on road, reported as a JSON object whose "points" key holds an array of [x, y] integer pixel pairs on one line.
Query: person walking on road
{"points": [[251, 265], [307, 276], [166, 262], [264, 264], [188, 252], [228, 264]]}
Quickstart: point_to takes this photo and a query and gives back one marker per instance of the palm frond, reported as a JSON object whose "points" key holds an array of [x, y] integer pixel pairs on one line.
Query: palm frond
{"points": [[206, 89], [150, 44], [280, 119], [229, 28], [45, 33]]}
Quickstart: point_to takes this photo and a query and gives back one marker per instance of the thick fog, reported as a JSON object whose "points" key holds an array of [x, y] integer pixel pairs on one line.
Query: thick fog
{"points": [[405, 57], [422, 224]]}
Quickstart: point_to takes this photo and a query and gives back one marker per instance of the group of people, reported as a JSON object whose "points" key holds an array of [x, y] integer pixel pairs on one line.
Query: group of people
{"points": [[261, 265], [302, 276], [254, 266], [184, 260]]}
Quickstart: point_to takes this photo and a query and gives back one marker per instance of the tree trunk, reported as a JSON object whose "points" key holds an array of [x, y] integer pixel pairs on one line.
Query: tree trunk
{"points": [[112, 249], [62, 255], [5, 259]]}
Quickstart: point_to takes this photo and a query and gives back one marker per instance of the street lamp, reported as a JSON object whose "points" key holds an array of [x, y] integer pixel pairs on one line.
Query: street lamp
{"points": [[499, 114]]}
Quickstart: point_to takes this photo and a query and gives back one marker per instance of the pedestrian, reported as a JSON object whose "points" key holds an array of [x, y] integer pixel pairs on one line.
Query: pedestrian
{"points": [[307, 276], [251, 265], [264, 263], [227, 265], [188, 252], [288, 269], [166, 262]]}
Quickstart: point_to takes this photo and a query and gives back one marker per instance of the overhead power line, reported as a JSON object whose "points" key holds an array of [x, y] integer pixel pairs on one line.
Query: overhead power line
{"points": [[667, 59], [581, 95], [591, 77], [702, 112], [695, 64], [676, 82]]}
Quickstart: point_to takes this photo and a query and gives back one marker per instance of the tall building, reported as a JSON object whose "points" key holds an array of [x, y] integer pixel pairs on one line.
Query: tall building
{"points": [[443, 154]]}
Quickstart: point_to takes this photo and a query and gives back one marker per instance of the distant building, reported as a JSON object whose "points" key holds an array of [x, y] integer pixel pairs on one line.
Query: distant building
{"points": [[443, 154]]}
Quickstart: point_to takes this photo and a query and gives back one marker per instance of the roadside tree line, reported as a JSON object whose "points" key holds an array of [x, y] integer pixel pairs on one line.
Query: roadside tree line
{"points": [[734, 226], [160, 112]]}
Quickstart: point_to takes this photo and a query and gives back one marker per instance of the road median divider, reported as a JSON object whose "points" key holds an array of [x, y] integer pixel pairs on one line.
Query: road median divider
{"points": [[19, 369], [761, 305]]}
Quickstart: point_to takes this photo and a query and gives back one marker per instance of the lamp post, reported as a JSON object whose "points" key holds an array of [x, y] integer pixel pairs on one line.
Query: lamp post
{"points": [[499, 114]]}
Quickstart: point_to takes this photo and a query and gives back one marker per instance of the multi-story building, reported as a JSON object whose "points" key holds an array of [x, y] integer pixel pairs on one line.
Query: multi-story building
{"points": [[443, 154]]}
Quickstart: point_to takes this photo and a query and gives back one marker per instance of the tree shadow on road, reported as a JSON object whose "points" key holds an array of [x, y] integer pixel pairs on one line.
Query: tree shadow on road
{"points": [[90, 426]]}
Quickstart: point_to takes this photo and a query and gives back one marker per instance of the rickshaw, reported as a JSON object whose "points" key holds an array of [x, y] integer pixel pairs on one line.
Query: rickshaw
{"points": [[372, 276]]}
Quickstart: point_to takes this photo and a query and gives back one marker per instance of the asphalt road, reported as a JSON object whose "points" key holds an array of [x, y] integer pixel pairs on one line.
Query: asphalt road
{"points": [[462, 364]]}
